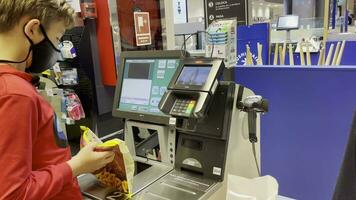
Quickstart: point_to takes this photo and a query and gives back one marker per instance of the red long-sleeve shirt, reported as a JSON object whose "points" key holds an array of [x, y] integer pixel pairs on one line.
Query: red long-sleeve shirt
{"points": [[32, 163]]}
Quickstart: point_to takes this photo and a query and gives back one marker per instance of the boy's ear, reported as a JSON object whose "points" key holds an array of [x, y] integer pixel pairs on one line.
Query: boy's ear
{"points": [[33, 31]]}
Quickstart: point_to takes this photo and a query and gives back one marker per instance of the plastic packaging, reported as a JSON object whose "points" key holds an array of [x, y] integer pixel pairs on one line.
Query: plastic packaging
{"points": [[260, 188], [74, 107]]}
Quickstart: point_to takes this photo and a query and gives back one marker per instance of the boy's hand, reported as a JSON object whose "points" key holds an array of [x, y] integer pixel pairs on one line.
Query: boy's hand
{"points": [[89, 160], [101, 149]]}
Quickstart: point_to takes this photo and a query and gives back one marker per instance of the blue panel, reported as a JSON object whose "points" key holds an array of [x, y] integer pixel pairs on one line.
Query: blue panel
{"points": [[304, 134], [255, 32], [314, 57], [349, 52], [251, 35]]}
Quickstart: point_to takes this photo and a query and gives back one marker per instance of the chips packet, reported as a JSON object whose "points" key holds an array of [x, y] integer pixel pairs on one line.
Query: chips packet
{"points": [[119, 173]]}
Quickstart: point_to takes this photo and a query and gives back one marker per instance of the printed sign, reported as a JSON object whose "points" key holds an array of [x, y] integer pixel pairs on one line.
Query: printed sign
{"points": [[226, 9], [142, 28], [180, 11]]}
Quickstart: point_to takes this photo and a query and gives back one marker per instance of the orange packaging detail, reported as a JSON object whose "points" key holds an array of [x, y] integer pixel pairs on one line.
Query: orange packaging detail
{"points": [[119, 173]]}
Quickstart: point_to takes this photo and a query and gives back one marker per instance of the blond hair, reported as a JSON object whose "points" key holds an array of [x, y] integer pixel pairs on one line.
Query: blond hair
{"points": [[47, 11]]}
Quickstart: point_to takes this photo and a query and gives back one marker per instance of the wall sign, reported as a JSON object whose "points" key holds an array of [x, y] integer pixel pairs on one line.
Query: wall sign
{"points": [[226, 9], [180, 11], [142, 28]]}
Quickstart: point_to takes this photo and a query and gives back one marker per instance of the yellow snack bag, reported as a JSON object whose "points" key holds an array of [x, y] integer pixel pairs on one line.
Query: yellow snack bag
{"points": [[88, 137], [119, 173]]}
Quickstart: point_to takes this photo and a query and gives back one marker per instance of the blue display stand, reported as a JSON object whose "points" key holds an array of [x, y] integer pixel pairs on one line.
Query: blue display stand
{"points": [[251, 35], [304, 135], [347, 59]]}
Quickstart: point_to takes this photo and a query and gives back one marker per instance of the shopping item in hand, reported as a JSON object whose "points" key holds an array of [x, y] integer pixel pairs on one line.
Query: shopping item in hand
{"points": [[119, 173]]}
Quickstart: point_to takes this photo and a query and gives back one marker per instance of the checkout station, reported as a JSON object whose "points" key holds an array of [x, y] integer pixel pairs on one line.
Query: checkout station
{"points": [[188, 122], [186, 128]]}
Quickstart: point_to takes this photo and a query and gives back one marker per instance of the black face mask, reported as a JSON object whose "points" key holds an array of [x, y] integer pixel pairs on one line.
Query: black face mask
{"points": [[44, 54]]}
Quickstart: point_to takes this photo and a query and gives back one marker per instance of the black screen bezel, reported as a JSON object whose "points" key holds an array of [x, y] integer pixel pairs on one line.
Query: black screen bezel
{"points": [[198, 62]]}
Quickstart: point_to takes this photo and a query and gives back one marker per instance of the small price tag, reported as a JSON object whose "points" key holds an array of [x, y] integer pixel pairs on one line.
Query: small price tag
{"points": [[172, 121], [217, 171]]}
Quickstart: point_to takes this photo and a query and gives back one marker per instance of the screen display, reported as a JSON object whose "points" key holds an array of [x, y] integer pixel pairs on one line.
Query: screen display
{"points": [[288, 22], [144, 83], [192, 75]]}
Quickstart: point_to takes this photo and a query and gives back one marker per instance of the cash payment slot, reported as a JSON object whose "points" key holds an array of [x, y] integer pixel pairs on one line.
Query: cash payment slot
{"points": [[142, 81], [212, 134]]}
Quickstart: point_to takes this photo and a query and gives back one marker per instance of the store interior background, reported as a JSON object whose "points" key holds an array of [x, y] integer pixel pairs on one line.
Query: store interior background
{"points": [[304, 135], [311, 13]]}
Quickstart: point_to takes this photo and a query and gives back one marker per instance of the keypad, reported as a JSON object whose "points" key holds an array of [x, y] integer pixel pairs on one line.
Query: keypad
{"points": [[183, 107]]}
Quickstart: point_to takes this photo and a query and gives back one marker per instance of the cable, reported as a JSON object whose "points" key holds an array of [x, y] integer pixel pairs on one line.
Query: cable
{"points": [[185, 46], [255, 156], [212, 50]]}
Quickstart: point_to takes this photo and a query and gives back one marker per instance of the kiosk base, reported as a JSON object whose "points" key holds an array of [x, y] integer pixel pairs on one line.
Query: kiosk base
{"points": [[92, 189], [180, 185]]}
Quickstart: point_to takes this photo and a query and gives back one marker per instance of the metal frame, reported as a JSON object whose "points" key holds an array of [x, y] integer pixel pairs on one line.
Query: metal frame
{"points": [[166, 139], [167, 18], [115, 29]]}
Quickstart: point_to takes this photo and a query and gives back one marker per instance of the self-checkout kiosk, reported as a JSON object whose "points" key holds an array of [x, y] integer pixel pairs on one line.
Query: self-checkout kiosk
{"points": [[186, 129]]}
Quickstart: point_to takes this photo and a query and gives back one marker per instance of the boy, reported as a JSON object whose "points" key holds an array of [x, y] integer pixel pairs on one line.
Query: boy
{"points": [[35, 158]]}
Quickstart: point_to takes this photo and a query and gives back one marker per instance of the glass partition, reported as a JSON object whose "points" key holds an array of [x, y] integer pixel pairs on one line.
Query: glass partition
{"points": [[123, 24]]}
